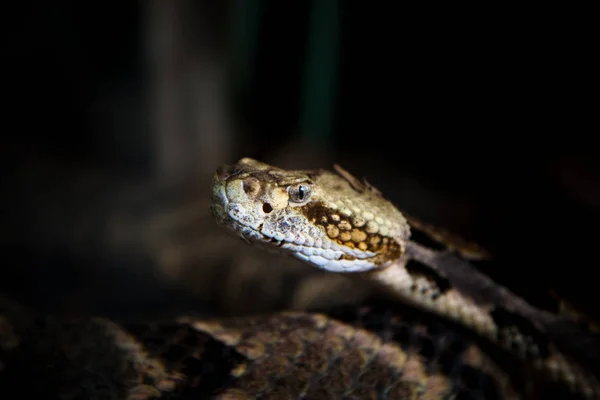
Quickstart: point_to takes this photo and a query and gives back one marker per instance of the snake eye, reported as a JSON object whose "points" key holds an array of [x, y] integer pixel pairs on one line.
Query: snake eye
{"points": [[300, 192]]}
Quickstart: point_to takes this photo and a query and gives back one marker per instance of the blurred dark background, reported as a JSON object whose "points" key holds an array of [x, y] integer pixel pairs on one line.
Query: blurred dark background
{"points": [[116, 114]]}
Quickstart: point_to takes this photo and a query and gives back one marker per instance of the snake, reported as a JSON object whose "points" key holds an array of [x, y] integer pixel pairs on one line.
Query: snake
{"points": [[335, 222], [435, 328]]}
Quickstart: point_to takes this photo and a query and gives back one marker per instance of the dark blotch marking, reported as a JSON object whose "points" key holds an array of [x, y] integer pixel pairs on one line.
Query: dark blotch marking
{"points": [[464, 395], [251, 187], [424, 239], [489, 388], [506, 319], [476, 384], [212, 369], [426, 347], [415, 268], [451, 354], [267, 208], [316, 211], [205, 361], [402, 335], [469, 376]]}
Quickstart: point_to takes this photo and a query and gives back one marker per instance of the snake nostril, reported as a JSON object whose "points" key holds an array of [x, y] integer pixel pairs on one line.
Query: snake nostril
{"points": [[267, 208]]}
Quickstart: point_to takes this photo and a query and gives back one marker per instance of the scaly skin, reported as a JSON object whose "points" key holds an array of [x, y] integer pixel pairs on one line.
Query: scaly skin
{"points": [[358, 353], [339, 224]]}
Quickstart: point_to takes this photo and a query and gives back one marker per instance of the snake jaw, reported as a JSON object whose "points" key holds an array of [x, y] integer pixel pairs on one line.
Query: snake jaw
{"points": [[277, 236]]}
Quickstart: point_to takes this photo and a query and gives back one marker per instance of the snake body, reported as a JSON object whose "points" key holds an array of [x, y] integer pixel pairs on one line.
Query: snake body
{"points": [[338, 223], [438, 330], [362, 352]]}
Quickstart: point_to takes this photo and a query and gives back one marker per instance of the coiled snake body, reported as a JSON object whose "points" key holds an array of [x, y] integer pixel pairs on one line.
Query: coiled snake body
{"points": [[338, 223], [440, 329]]}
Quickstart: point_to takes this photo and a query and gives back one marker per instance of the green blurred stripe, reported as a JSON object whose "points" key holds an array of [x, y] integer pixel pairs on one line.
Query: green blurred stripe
{"points": [[321, 74], [246, 17]]}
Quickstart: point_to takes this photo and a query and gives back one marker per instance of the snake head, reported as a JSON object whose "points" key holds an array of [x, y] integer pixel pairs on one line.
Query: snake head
{"points": [[317, 216]]}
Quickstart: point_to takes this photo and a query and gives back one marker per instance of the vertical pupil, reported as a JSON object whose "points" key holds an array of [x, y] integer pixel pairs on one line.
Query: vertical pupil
{"points": [[300, 192]]}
